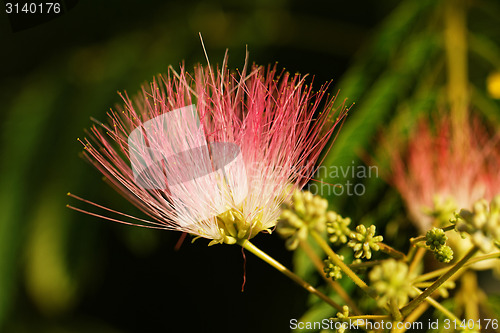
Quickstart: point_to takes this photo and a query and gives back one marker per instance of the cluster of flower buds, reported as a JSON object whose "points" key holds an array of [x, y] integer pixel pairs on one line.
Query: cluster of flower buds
{"points": [[436, 239], [364, 241], [442, 209], [444, 254], [391, 281], [482, 223], [304, 212], [343, 316], [331, 270], [337, 228]]}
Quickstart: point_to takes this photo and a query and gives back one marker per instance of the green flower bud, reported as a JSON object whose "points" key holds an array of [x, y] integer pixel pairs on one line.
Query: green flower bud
{"points": [[442, 209], [364, 241], [391, 281], [303, 212], [482, 223], [344, 313], [337, 228], [435, 238], [331, 270], [444, 254]]}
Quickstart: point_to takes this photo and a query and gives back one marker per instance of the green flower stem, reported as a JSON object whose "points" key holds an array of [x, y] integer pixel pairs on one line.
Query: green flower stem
{"points": [[411, 253], [414, 303], [431, 275], [438, 272], [471, 295], [423, 284], [372, 317], [247, 245], [395, 313], [413, 317], [423, 238], [336, 260], [455, 42], [438, 306], [334, 284], [449, 228], [416, 259], [484, 257], [366, 317], [366, 264], [391, 251], [418, 239]]}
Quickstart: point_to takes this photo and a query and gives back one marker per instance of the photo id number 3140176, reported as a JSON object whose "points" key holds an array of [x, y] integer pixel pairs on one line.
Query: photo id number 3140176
{"points": [[32, 7]]}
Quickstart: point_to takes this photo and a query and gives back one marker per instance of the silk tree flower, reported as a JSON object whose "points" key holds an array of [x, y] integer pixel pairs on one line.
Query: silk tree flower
{"points": [[213, 154], [445, 170]]}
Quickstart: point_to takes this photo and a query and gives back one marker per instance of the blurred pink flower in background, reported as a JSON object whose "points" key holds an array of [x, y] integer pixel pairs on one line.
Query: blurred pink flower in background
{"points": [[445, 168]]}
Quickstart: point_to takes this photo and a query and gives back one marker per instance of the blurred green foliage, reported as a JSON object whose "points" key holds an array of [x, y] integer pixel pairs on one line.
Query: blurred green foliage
{"points": [[61, 271]]}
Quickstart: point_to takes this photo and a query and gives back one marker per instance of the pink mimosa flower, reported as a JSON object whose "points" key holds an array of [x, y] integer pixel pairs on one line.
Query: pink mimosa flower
{"points": [[446, 167], [214, 154]]}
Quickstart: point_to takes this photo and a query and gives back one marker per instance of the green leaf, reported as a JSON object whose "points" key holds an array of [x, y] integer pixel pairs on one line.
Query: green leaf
{"points": [[22, 132], [316, 314], [380, 101], [494, 303]]}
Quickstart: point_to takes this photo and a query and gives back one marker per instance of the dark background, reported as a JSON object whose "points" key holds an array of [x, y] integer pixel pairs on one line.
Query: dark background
{"points": [[62, 271]]}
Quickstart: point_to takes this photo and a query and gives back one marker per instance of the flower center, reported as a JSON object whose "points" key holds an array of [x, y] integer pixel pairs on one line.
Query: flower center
{"points": [[235, 227]]}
